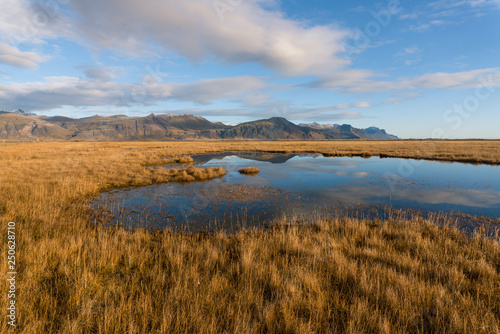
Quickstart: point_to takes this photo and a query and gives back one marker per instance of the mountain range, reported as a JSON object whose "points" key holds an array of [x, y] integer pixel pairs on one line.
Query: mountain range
{"points": [[23, 126]]}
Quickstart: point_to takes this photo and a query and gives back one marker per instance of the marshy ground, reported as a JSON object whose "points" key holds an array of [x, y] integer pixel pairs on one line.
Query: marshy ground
{"points": [[336, 275]]}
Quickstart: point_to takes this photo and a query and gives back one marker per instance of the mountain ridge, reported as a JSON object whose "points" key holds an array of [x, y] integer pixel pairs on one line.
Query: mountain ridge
{"points": [[371, 132], [23, 126]]}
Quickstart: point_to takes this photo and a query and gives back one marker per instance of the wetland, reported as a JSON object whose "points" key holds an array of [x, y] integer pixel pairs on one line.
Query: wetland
{"points": [[304, 186]]}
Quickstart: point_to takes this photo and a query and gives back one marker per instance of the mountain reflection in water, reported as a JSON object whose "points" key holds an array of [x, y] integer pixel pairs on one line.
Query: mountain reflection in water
{"points": [[305, 184]]}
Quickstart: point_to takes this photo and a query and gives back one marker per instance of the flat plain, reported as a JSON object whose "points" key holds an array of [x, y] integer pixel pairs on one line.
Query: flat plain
{"points": [[332, 276]]}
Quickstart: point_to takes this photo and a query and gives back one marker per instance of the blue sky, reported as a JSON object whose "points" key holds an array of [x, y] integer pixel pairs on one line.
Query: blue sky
{"points": [[419, 69]]}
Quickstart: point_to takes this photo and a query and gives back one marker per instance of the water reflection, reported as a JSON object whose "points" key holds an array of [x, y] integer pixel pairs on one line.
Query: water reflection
{"points": [[299, 184]]}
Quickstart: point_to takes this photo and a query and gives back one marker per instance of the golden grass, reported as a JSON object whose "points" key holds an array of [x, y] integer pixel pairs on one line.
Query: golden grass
{"points": [[334, 276], [179, 160], [190, 174], [249, 170]]}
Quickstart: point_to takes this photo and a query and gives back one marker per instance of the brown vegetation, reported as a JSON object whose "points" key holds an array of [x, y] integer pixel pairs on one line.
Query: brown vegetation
{"points": [[179, 160], [342, 275], [171, 160], [249, 170], [190, 174]]}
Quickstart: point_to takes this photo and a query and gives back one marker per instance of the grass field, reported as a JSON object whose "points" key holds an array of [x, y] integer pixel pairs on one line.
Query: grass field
{"points": [[334, 276]]}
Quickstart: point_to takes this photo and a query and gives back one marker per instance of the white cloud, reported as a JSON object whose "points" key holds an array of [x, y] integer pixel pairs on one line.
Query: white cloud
{"points": [[28, 23], [447, 4], [98, 73], [342, 111], [333, 113], [342, 79], [248, 33], [333, 117], [33, 22], [393, 101], [58, 92], [413, 15], [204, 91], [291, 113], [362, 105], [411, 55], [359, 9], [459, 80], [427, 26], [255, 99], [11, 55], [431, 14], [412, 50]]}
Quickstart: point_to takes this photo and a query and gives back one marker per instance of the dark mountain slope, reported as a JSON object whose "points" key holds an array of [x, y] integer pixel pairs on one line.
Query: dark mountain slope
{"points": [[346, 131], [168, 127], [18, 126], [272, 128]]}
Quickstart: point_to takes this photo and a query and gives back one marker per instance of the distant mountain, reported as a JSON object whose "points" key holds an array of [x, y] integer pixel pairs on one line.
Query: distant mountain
{"points": [[19, 112], [349, 132], [376, 133], [16, 126], [122, 127], [272, 128], [168, 127]]}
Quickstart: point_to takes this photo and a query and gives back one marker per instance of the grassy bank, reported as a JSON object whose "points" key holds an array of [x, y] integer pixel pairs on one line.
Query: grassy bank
{"points": [[334, 276]]}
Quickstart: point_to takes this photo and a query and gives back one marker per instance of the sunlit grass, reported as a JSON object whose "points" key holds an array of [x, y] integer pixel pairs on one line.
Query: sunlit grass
{"points": [[336, 275]]}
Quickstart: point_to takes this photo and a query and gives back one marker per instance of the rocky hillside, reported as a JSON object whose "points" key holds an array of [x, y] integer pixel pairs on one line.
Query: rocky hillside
{"points": [[167, 127], [16, 126], [121, 127], [348, 132], [271, 129]]}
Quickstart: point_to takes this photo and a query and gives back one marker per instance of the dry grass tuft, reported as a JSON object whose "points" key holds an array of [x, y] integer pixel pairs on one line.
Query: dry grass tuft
{"points": [[174, 160], [335, 276], [190, 174], [181, 160], [249, 170]]}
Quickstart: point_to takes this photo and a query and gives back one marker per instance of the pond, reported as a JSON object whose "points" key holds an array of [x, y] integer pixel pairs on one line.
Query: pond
{"points": [[305, 186]]}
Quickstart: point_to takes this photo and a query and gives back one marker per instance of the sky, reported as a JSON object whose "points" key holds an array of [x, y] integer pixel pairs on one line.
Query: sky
{"points": [[419, 69]]}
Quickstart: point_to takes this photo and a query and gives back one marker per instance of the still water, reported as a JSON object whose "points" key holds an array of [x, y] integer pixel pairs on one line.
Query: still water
{"points": [[303, 186]]}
